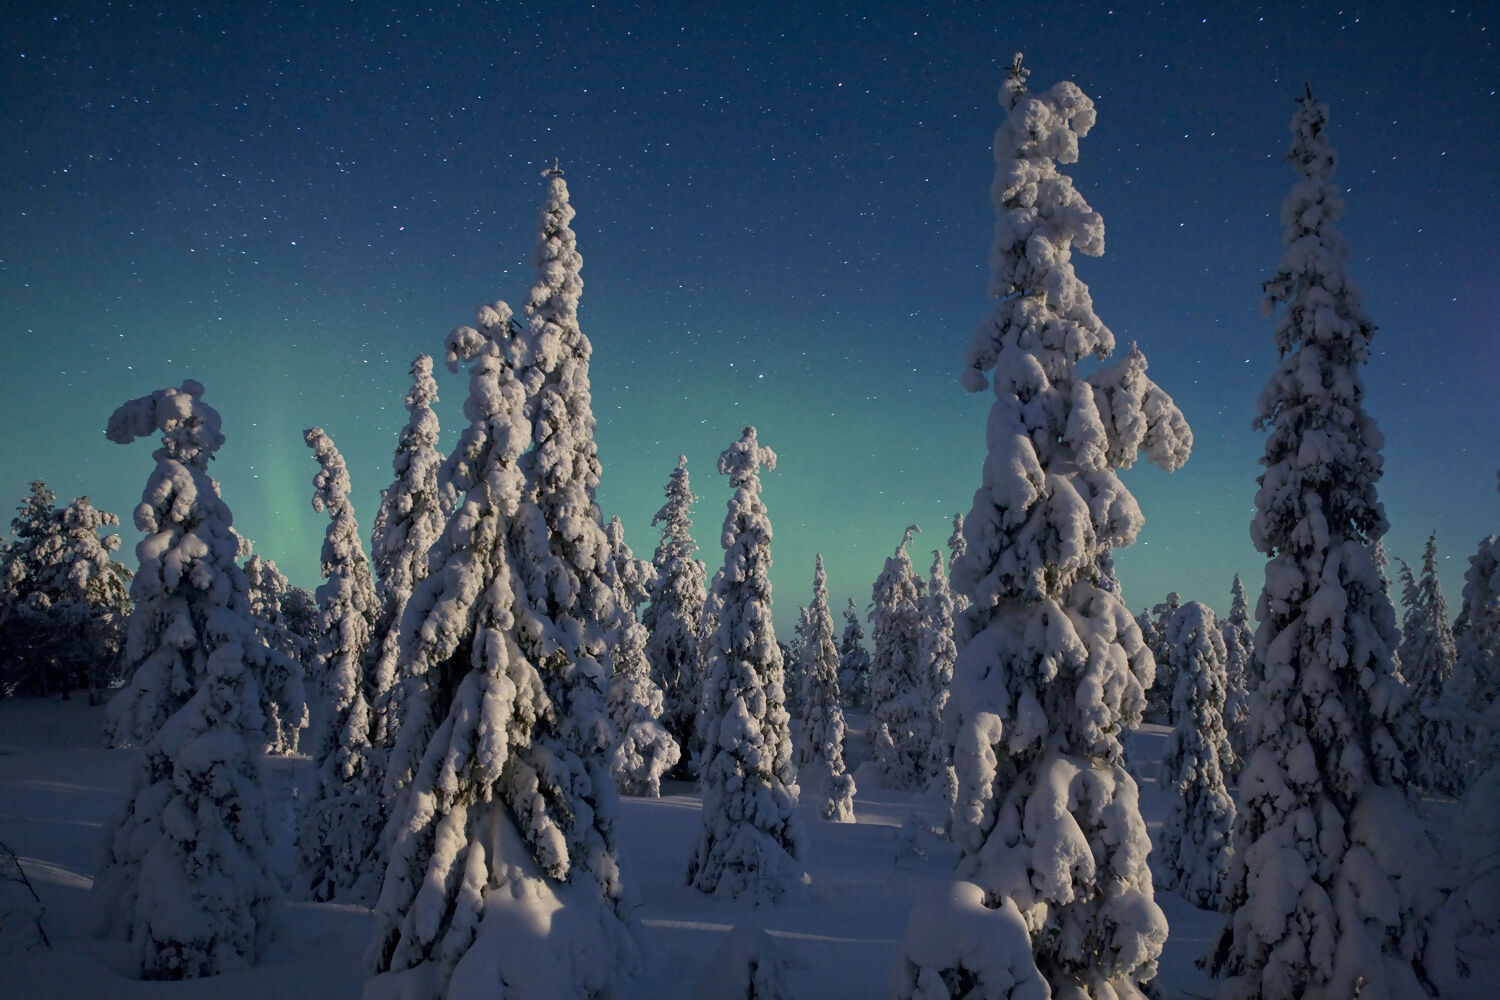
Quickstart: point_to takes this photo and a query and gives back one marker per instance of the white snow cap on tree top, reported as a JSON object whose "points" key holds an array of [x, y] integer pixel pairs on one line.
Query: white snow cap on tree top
{"points": [[190, 427]]}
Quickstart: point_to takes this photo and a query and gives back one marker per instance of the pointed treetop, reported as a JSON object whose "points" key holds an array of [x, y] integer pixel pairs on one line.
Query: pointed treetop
{"points": [[554, 170], [911, 529], [745, 458], [1015, 84]]}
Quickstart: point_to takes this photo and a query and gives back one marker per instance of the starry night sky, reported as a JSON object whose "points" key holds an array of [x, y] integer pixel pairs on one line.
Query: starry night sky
{"points": [[784, 219]]}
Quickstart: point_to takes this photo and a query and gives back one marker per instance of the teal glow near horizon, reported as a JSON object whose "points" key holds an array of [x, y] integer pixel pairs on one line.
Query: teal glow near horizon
{"points": [[784, 220]]}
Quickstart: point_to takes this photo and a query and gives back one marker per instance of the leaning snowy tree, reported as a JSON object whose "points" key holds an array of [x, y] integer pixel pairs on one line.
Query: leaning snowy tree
{"points": [[1330, 891], [645, 750], [187, 877], [412, 512], [1427, 654], [821, 736], [503, 873], [1195, 847], [751, 838], [900, 731], [1051, 669], [674, 618], [341, 823]]}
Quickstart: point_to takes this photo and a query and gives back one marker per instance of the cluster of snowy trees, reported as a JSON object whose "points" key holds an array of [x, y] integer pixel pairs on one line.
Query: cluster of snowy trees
{"points": [[477, 694], [64, 598]]}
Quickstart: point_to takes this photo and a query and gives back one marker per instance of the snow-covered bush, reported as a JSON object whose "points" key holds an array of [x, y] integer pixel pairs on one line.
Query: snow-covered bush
{"points": [[820, 743], [341, 822], [1194, 851], [958, 944], [1331, 885], [1051, 669], [751, 836], [900, 729], [187, 873], [674, 618]]}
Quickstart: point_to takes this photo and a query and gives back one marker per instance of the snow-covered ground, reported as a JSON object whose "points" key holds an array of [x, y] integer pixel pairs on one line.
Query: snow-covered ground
{"points": [[838, 939]]}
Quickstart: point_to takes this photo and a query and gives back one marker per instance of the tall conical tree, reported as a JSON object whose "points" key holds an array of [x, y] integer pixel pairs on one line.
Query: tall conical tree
{"points": [[674, 618], [854, 660], [645, 751], [900, 732], [408, 524], [1051, 669], [751, 838], [1428, 654], [187, 876], [341, 824], [1194, 849], [936, 652], [1324, 829], [821, 736], [505, 808], [1239, 653]]}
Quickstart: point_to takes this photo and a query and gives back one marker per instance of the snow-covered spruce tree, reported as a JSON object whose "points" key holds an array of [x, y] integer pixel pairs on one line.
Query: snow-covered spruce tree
{"points": [[791, 656], [957, 547], [1159, 696], [645, 751], [1330, 890], [854, 660], [751, 838], [1476, 673], [492, 830], [187, 874], [820, 743], [936, 652], [503, 867], [674, 618], [1239, 658], [1427, 654], [341, 822], [283, 693], [1051, 669], [1473, 700], [1195, 847], [900, 731], [64, 598], [412, 512]]}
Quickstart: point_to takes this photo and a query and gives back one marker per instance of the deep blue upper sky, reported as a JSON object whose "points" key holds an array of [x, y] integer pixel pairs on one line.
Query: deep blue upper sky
{"points": [[784, 220]]}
